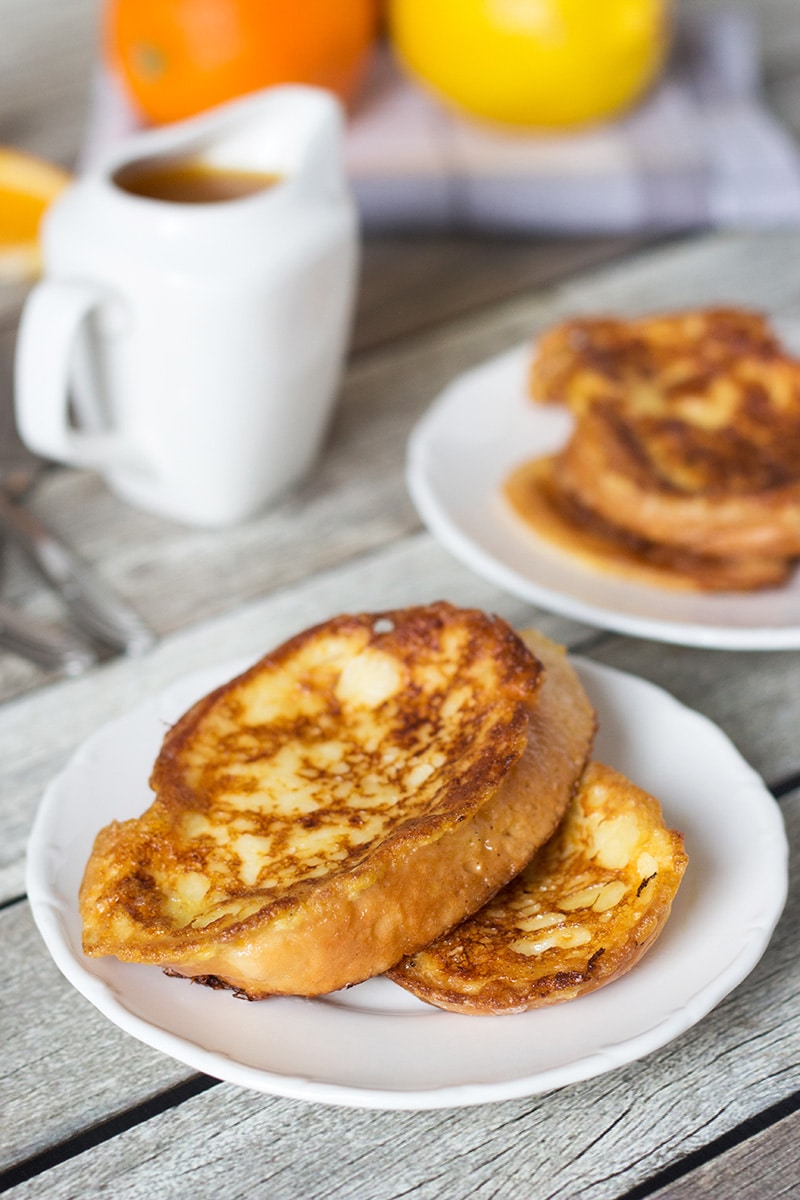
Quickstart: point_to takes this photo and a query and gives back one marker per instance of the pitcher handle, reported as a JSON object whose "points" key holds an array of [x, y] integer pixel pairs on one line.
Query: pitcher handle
{"points": [[51, 319]]}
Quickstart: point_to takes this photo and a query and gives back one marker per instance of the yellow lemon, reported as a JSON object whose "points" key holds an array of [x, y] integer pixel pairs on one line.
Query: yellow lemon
{"points": [[545, 63], [27, 186]]}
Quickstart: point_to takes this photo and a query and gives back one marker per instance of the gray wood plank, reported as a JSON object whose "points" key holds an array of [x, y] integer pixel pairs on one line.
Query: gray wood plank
{"points": [[784, 96], [413, 283], [764, 1167], [597, 1138], [41, 1016]]}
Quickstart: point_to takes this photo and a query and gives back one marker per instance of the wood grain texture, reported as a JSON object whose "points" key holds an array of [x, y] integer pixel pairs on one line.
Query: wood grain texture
{"points": [[597, 1138], [413, 284], [41, 1017], [767, 1164]]}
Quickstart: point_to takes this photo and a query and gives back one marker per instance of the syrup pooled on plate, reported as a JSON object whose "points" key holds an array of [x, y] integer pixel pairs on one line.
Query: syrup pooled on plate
{"points": [[682, 466], [553, 515]]}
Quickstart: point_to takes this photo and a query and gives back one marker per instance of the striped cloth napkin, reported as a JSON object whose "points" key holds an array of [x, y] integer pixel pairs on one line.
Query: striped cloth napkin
{"points": [[701, 150]]}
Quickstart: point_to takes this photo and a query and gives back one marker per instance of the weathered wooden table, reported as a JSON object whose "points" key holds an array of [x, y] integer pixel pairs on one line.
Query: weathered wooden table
{"points": [[89, 1110]]}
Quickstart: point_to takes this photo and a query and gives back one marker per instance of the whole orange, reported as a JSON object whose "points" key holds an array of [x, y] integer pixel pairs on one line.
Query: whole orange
{"points": [[180, 57]]}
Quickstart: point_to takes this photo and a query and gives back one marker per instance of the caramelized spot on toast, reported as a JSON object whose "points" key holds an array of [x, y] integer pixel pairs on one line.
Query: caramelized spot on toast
{"points": [[686, 436], [636, 363], [585, 909], [556, 516]]}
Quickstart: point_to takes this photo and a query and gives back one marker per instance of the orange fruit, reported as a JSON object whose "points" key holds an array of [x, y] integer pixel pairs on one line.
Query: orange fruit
{"points": [[545, 63], [181, 57], [28, 185]]}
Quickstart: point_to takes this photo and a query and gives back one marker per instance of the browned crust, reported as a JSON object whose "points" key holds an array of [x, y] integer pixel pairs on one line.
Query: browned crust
{"points": [[588, 359], [354, 922], [606, 466], [687, 430], [561, 520], [474, 970], [346, 930], [411, 634]]}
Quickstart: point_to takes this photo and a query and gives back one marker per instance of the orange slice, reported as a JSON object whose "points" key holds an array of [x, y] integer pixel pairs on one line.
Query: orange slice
{"points": [[28, 185]]}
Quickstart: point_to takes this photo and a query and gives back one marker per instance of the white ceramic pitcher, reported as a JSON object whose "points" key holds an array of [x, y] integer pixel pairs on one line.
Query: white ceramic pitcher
{"points": [[201, 344]]}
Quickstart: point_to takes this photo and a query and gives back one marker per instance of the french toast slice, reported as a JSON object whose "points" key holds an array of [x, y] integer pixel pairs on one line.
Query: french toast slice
{"points": [[581, 914], [720, 480], [686, 441], [562, 521], [633, 362], [359, 790]]}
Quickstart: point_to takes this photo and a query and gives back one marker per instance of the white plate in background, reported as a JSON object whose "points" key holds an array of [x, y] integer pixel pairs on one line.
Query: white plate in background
{"points": [[460, 452]]}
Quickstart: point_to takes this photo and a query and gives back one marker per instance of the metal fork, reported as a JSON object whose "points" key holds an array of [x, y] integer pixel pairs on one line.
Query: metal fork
{"points": [[46, 645], [93, 608], [99, 619]]}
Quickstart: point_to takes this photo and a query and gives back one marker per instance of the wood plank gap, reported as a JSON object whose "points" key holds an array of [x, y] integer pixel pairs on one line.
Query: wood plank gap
{"points": [[734, 1137], [87, 1139], [782, 789]]}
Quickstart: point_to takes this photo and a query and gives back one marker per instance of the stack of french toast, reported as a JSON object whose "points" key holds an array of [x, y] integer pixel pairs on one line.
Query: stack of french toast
{"points": [[409, 793], [683, 465]]}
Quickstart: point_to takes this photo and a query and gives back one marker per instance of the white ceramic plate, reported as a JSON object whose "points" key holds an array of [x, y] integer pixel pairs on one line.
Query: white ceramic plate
{"points": [[377, 1046], [478, 430]]}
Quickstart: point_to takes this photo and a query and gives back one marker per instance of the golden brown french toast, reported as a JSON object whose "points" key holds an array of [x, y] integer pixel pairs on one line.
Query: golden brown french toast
{"points": [[356, 792], [587, 360], [685, 449], [564, 522], [584, 910], [720, 478]]}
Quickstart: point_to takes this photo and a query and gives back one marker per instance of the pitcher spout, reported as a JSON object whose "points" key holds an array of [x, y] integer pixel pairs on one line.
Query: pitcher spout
{"points": [[288, 134]]}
